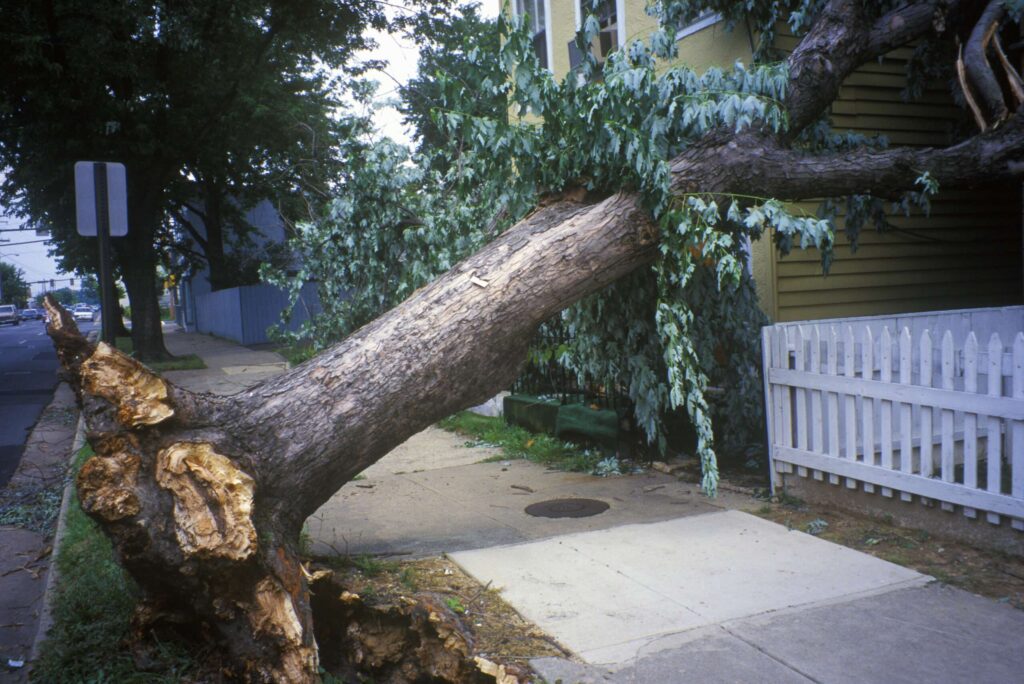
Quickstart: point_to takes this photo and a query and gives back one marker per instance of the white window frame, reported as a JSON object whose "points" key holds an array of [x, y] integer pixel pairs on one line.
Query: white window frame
{"points": [[620, 19], [699, 25]]}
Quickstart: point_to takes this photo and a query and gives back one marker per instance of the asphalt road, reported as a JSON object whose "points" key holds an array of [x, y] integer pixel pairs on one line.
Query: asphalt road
{"points": [[28, 378]]}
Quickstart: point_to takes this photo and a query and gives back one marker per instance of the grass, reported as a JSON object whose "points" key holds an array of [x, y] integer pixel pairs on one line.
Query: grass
{"points": [[295, 354], [518, 442], [186, 362], [372, 566], [92, 612]]}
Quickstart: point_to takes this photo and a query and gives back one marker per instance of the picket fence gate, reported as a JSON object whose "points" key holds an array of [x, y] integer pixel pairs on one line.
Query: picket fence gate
{"points": [[911, 414]]}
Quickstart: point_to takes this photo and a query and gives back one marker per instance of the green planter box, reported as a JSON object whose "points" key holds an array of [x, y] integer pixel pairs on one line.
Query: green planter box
{"points": [[580, 423], [571, 422], [536, 415]]}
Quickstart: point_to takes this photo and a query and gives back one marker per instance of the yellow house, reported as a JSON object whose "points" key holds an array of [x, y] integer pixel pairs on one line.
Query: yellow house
{"points": [[966, 253]]}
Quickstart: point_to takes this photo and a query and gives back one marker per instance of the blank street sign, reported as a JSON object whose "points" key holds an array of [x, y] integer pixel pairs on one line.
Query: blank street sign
{"points": [[85, 198]]}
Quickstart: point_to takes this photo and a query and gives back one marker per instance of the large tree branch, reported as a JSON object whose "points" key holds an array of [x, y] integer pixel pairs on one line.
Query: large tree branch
{"points": [[471, 329], [190, 228], [843, 38], [978, 68], [753, 164]]}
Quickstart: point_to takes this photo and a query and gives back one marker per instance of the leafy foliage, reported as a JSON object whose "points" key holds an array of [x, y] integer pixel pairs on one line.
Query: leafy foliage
{"points": [[189, 95], [399, 218], [665, 335], [13, 287]]}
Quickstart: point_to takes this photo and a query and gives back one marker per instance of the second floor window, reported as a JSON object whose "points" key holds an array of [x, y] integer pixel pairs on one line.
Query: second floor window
{"points": [[533, 12], [607, 40]]}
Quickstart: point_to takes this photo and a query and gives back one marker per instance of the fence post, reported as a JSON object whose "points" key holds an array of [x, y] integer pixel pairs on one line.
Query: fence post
{"points": [[948, 464], [833, 401], [885, 415], [971, 419], [1017, 443], [994, 436], [867, 362], [766, 363], [927, 412], [851, 403], [801, 393], [906, 412], [817, 445]]}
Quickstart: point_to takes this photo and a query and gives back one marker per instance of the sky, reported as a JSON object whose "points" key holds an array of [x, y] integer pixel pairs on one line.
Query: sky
{"points": [[30, 258], [401, 55]]}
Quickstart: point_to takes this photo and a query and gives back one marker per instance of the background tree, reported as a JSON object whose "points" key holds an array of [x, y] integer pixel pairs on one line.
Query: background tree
{"points": [[89, 290], [457, 74], [648, 168], [63, 295], [13, 288], [183, 93]]}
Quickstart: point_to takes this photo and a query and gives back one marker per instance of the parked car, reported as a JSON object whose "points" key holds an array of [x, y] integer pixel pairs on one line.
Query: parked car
{"points": [[9, 314], [83, 312], [31, 314]]}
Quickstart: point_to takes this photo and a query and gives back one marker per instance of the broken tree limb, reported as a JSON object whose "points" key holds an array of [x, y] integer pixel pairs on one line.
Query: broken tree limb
{"points": [[979, 71], [1012, 75], [965, 89]]}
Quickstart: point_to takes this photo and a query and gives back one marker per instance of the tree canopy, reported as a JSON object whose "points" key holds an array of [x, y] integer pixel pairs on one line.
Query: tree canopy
{"points": [[202, 101], [628, 125], [13, 287]]}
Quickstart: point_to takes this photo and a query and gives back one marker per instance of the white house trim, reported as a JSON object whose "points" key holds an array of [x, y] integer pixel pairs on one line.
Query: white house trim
{"points": [[698, 25], [620, 22], [547, 35]]}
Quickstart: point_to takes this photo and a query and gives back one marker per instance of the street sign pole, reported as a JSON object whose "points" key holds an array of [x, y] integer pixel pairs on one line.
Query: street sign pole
{"points": [[108, 301], [101, 211]]}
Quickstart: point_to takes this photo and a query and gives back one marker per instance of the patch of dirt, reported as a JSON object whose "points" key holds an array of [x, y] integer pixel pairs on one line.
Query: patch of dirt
{"points": [[497, 632], [981, 571]]}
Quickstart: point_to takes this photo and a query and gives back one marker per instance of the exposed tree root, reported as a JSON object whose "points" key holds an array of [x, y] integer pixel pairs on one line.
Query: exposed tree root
{"points": [[414, 638]]}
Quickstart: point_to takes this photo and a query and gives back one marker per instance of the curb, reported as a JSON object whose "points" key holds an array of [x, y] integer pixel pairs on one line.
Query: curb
{"points": [[46, 612]]}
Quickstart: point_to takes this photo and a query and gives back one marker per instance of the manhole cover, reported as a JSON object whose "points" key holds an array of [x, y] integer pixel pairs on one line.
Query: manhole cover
{"points": [[566, 508]]}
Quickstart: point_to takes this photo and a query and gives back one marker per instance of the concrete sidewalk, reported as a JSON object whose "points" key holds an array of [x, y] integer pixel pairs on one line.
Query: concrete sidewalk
{"points": [[230, 367], [666, 585]]}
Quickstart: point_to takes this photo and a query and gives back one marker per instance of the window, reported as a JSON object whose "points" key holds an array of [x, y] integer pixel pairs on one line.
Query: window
{"points": [[533, 11], [607, 40]]}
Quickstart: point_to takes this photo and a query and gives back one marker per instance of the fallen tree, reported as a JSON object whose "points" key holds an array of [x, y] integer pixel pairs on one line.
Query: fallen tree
{"points": [[204, 497]]}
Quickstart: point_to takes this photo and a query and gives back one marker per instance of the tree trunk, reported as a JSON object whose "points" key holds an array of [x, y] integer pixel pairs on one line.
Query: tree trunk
{"points": [[204, 496], [213, 222], [138, 261]]}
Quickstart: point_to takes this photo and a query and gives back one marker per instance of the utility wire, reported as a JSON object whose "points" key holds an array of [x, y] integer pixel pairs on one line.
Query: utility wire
{"points": [[27, 242]]}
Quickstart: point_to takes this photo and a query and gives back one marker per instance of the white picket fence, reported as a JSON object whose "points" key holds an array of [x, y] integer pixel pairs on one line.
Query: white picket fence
{"points": [[907, 411]]}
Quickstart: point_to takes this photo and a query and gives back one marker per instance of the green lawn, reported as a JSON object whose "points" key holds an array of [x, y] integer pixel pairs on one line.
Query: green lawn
{"points": [[92, 611], [186, 362], [518, 442]]}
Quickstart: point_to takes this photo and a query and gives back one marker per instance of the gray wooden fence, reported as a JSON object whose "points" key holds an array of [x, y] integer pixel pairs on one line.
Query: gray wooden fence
{"points": [[244, 314]]}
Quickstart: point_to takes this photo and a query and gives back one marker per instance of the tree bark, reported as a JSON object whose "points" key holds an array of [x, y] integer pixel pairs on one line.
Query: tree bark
{"points": [[138, 261], [204, 496], [213, 221]]}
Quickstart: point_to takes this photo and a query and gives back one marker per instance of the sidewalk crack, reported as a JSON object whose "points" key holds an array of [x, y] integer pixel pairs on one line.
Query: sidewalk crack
{"points": [[774, 657]]}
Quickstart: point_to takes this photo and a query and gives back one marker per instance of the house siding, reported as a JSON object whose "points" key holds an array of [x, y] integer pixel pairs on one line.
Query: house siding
{"points": [[965, 253]]}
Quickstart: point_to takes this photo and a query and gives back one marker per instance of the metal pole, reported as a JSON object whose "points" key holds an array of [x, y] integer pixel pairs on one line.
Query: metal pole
{"points": [[108, 304]]}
